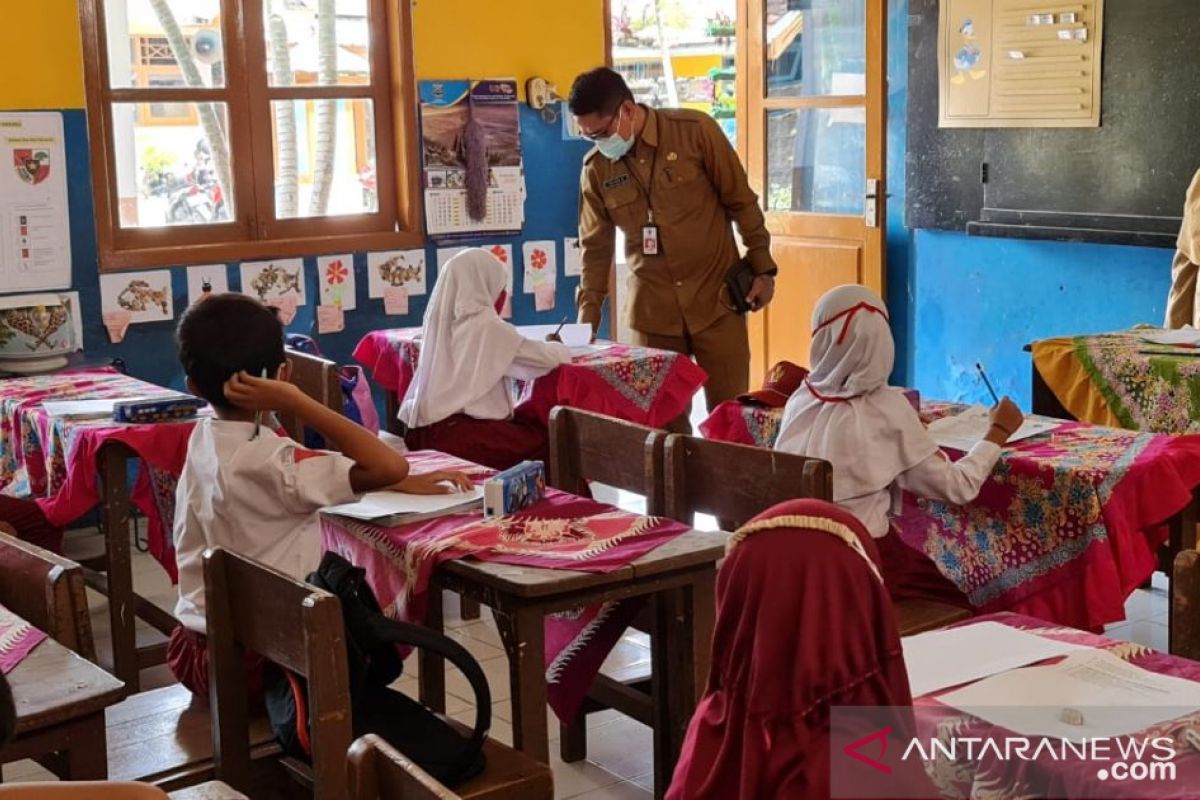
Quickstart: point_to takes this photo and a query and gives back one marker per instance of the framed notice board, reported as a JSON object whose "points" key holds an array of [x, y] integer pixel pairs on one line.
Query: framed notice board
{"points": [[1017, 63]]}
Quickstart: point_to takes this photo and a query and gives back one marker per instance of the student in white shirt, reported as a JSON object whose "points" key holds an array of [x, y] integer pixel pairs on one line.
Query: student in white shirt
{"points": [[244, 486], [845, 413], [460, 400]]}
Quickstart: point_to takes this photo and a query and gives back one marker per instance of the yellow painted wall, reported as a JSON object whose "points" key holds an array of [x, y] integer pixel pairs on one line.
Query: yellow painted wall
{"points": [[40, 55]]}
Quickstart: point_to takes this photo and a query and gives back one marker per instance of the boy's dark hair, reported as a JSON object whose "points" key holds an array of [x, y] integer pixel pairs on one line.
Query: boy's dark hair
{"points": [[598, 91], [226, 334], [8, 713]]}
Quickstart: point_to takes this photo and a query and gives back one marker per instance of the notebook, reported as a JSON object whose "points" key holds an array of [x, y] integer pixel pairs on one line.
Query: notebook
{"points": [[389, 509]]}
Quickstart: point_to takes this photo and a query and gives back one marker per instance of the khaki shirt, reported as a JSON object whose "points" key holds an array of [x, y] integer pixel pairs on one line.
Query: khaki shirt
{"points": [[698, 189], [1183, 305]]}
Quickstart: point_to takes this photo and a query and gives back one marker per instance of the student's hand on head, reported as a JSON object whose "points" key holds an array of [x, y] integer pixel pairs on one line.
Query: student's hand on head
{"points": [[436, 482], [1006, 419], [261, 394]]}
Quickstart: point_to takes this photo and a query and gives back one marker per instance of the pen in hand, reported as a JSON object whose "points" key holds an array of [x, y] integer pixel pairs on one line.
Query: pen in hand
{"points": [[987, 383]]}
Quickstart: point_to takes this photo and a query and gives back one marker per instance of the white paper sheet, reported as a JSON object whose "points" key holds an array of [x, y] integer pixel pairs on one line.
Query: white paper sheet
{"points": [[1184, 337], [964, 431], [589, 349], [541, 265], [147, 296], [336, 281], [941, 659], [573, 334], [80, 409], [271, 280], [378, 505], [216, 276], [1107, 696], [35, 229], [404, 268]]}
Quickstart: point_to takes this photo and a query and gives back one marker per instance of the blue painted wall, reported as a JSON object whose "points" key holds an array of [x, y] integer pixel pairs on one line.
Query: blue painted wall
{"points": [[956, 299], [552, 179]]}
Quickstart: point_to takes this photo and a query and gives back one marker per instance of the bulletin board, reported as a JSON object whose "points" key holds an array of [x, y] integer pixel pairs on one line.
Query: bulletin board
{"points": [[1019, 63]]}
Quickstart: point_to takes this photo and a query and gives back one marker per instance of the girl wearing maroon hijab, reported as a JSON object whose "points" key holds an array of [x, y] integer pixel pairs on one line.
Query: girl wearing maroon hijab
{"points": [[803, 623]]}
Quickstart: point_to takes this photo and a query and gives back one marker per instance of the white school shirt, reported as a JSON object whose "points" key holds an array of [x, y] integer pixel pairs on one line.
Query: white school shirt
{"points": [[259, 498], [936, 478], [533, 360]]}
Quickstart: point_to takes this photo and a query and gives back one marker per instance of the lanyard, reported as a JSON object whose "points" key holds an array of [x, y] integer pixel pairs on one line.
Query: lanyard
{"points": [[646, 188]]}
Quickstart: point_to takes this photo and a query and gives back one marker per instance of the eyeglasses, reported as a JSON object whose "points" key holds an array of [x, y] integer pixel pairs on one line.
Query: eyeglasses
{"points": [[604, 132]]}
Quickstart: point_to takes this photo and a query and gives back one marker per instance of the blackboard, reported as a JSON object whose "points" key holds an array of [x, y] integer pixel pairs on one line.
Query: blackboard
{"points": [[1123, 182]]}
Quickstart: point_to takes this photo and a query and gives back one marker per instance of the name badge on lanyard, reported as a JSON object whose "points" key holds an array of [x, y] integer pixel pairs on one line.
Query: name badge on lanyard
{"points": [[650, 239]]}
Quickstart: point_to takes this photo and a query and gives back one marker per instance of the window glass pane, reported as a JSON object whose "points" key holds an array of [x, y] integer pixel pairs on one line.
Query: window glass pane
{"points": [[317, 42], [683, 60], [151, 41], [171, 174], [815, 47], [324, 158], [816, 160]]}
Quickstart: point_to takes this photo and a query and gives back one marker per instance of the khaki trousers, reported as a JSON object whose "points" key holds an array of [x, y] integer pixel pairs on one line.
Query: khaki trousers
{"points": [[722, 350]]}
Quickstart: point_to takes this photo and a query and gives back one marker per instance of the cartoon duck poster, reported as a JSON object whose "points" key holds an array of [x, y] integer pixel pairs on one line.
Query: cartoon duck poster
{"points": [[968, 57]]}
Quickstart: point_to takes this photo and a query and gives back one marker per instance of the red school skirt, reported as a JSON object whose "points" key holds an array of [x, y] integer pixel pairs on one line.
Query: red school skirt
{"points": [[495, 443]]}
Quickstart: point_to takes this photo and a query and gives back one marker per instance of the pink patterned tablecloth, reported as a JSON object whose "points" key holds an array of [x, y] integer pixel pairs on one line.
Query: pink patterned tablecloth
{"points": [[17, 640], [638, 384], [561, 532], [1066, 527], [55, 460], [991, 776]]}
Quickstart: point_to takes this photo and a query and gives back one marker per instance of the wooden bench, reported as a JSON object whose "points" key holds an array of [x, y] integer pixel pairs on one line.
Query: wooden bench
{"points": [[300, 628], [48, 592], [585, 446]]}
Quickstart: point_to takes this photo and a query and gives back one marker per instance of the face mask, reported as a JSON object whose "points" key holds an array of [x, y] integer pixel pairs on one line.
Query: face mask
{"points": [[616, 146]]}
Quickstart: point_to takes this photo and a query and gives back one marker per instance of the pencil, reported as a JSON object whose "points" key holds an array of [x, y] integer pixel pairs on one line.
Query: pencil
{"points": [[987, 383], [258, 414], [558, 331]]}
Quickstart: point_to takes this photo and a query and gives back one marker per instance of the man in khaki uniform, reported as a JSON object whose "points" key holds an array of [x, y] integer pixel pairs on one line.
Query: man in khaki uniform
{"points": [[1183, 305], [670, 180]]}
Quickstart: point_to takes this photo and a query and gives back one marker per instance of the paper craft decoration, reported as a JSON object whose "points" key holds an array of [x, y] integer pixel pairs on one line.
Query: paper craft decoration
{"points": [[116, 323], [572, 256], [330, 319], [395, 301], [271, 280], [404, 268], [285, 305], [206, 279], [145, 295], [541, 265], [335, 277], [543, 297]]}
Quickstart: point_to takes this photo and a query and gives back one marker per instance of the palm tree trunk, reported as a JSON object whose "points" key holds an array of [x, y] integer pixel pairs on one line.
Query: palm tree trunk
{"points": [[210, 119], [668, 67], [287, 190], [326, 122]]}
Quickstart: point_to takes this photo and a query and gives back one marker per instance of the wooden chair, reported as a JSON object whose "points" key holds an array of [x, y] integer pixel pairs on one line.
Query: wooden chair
{"points": [[588, 446], [47, 591], [300, 628], [379, 772], [700, 477], [114, 790], [585, 446], [318, 378], [1185, 606]]}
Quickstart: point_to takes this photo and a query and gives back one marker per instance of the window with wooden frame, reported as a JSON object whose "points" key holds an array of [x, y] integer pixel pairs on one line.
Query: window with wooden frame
{"points": [[226, 130]]}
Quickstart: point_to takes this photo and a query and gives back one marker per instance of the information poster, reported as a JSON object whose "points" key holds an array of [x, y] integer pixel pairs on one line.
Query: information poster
{"points": [[35, 232]]}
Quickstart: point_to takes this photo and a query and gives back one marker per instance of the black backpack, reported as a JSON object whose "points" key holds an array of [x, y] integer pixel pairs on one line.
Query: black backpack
{"points": [[371, 638]]}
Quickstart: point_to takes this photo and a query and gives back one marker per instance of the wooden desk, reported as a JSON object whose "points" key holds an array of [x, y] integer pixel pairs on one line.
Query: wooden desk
{"points": [[678, 577], [60, 699]]}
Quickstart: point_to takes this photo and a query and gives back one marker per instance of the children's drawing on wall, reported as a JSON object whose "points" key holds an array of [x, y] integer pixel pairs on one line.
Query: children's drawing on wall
{"points": [[968, 56], [335, 276], [404, 268], [145, 296], [277, 283], [206, 280]]}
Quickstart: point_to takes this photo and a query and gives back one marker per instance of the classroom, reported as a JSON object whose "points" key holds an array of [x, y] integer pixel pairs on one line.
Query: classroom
{"points": [[599, 399]]}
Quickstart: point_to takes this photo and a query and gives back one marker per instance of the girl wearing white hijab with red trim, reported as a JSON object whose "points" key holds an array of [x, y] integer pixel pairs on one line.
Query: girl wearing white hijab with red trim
{"points": [[845, 413], [460, 400]]}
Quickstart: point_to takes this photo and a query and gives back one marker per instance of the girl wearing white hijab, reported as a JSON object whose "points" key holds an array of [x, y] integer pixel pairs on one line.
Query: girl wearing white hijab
{"points": [[460, 400], [845, 413]]}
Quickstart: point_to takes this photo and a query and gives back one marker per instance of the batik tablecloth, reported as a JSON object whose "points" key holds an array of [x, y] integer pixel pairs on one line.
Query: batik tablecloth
{"points": [[1119, 380], [638, 384], [998, 778], [17, 640], [561, 532], [1065, 528], [55, 460]]}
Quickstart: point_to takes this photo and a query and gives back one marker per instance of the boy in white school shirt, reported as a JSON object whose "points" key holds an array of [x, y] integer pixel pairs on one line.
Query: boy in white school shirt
{"points": [[249, 489]]}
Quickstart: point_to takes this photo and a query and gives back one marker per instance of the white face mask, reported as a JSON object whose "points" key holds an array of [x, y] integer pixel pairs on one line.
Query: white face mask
{"points": [[616, 146]]}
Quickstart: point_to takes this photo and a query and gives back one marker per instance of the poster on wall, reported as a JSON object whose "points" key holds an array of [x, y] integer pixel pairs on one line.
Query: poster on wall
{"points": [[35, 231], [463, 122], [404, 268], [279, 284], [336, 280], [206, 279], [145, 296]]}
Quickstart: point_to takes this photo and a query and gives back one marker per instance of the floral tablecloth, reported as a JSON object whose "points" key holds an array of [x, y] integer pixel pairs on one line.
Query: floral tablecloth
{"points": [[54, 460], [638, 384], [561, 532], [17, 640], [1066, 527], [1117, 379]]}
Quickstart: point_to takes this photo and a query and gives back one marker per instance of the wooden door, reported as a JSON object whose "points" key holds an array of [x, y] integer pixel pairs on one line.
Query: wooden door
{"points": [[812, 124]]}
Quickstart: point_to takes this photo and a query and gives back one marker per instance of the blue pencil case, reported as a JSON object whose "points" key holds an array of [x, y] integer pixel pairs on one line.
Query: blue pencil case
{"points": [[159, 409]]}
